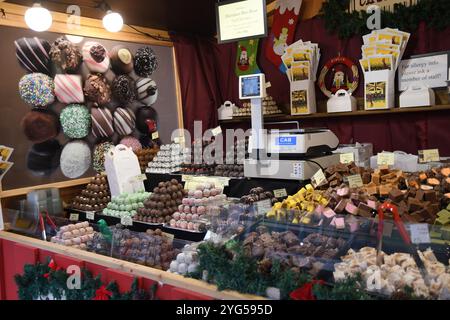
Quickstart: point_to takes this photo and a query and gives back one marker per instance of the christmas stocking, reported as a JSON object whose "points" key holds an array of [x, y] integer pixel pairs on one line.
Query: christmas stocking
{"points": [[283, 29], [246, 53]]}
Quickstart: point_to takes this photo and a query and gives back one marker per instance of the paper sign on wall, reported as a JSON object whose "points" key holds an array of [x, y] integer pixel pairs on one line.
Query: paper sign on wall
{"points": [[431, 71]]}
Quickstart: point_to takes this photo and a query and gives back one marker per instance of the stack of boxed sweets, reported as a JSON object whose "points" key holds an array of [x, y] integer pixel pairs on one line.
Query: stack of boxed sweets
{"points": [[74, 235], [234, 159], [192, 213], [125, 205], [396, 272], [95, 197], [191, 163], [306, 253], [186, 261], [168, 159], [162, 203], [269, 108], [146, 155], [418, 196]]}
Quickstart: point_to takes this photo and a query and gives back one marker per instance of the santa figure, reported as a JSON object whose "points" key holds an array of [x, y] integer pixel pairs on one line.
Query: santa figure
{"points": [[243, 63], [339, 79]]}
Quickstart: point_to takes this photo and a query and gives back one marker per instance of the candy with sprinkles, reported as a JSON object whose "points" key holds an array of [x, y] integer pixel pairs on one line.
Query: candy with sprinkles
{"points": [[98, 161], [124, 89], [75, 159], [95, 57], [131, 142], [145, 62], [33, 54], [147, 91], [124, 121], [68, 88], [75, 121], [37, 89], [97, 90]]}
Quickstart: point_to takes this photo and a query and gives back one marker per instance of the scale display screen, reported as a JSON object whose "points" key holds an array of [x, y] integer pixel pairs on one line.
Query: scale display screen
{"points": [[251, 86]]}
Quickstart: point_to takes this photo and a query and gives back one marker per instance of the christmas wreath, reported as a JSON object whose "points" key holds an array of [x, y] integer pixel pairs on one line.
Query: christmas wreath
{"points": [[436, 13], [45, 281], [337, 61]]}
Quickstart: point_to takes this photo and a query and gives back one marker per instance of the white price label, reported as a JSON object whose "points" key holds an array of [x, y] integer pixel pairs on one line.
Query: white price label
{"points": [[216, 131], [347, 157], [90, 215], [263, 206], [355, 181], [318, 178], [419, 233], [386, 159], [74, 217], [155, 135], [126, 221], [280, 193]]}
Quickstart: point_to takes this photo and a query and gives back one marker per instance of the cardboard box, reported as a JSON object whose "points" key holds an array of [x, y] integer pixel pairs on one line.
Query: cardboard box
{"points": [[379, 90]]}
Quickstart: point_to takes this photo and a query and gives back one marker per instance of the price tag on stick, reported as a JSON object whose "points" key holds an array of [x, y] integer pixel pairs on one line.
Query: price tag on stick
{"points": [[74, 217], [280, 193], [318, 178], [216, 131], [155, 135], [90, 215]]}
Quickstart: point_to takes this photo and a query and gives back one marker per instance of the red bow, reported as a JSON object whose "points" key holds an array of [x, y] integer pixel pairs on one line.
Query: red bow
{"points": [[53, 267], [102, 294], [305, 292]]}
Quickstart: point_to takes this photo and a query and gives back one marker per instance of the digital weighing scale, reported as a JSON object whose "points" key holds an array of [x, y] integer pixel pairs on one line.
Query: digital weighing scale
{"points": [[283, 154]]}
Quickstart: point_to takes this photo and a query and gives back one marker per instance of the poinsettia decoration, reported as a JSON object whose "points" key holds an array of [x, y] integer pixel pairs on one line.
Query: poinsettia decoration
{"points": [[306, 291], [102, 294]]}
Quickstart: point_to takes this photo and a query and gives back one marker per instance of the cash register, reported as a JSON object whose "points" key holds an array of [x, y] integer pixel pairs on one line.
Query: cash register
{"points": [[283, 154]]}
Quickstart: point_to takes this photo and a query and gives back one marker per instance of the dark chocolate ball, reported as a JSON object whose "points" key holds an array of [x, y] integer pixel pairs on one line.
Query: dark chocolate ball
{"points": [[43, 158], [145, 62], [123, 89], [40, 125]]}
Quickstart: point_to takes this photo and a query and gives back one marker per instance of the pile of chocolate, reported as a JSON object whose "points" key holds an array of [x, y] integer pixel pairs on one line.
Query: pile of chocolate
{"points": [[191, 163], [289, 250], [145, 155], [74, 235], [258, 194], [96, 195], [234, 159], [151, 248], [164, 201]]}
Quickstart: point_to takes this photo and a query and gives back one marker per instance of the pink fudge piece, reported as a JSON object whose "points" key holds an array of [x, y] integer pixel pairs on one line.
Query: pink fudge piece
{"points": [[319, 209], [339, 223], [354, 226], [343, 192], [333, 222], [372, 204], [351, 208], [329, 213]]}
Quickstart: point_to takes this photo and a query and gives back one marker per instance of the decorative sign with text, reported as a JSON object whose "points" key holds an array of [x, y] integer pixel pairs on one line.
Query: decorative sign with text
{"points": [[431, 71], [388, 5]]}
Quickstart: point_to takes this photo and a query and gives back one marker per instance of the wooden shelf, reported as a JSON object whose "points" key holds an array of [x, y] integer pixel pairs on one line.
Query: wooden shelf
{"points": [[284, 117]]}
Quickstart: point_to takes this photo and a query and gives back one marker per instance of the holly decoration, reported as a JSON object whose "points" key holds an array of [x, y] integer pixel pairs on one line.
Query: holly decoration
{"points": [[43, 280], [436, 14]]}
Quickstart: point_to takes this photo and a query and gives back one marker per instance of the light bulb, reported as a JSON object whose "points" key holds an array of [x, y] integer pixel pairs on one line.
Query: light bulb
{"points": [[38, 18], [113, 21], [74, 39]]}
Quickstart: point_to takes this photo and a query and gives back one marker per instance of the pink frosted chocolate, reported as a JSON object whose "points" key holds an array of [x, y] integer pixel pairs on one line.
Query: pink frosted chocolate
{"points": [[339, 223], [351, 208], [329, 213]]}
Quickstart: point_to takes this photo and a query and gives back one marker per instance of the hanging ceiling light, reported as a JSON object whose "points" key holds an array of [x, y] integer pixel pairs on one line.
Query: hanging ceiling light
{"points": [[38, 18], [112, 21]]}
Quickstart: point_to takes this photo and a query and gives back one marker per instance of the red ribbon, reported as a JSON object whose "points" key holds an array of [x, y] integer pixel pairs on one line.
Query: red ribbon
{"points": [[102, 294], [305, 292], [53, 267]]}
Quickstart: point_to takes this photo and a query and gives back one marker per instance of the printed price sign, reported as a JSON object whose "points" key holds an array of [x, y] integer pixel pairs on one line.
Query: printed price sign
{"points": [[263, 206], [155, 135], [280, 193], [355, 181], [429, 155], [386, 159], [216, 131], [419, 233], [90, 215], [318, 178], [126, 221], [74, 217], [347, 157]]}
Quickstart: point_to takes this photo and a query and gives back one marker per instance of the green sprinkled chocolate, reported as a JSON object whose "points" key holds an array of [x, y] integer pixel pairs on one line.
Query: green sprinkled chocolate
{"points": [[75, 121]]}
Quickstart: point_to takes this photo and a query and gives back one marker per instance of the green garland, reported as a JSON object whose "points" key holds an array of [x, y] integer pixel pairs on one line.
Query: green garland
{"points": [[436, 13], [40, 280]]}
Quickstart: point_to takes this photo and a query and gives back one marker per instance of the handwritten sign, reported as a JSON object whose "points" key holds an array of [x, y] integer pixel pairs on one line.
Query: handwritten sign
{"points": [[74, 217], [429, 155], [263, 206], [216, 131], [387, 5], [318, 178], [347, 157], [386, 159], [431, 71], [155, 135], [280, 193], [90, 215], [355, 181]]}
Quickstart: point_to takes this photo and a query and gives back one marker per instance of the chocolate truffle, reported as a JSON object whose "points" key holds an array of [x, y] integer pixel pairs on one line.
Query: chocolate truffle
{"points": [[124, 121], [37, 89], [33, 54], [102, 123], [68, 88], [131, 142], [147, 91], [121, 60], [123, 89], [40, 125], [146, 120], [75, 159], [66, 55], [75, 121], [97, 89], [98, 161], [95, 57], [43, 158], [145, 62]]}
